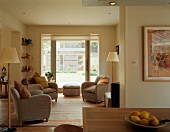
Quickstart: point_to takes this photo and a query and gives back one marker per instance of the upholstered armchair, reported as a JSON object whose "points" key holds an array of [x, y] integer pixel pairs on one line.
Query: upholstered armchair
{"points": [[94, 91], [51, 90], [36, 107]]}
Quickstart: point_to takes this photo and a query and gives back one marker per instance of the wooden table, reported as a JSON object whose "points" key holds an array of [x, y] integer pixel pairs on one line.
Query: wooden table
{"points": [[113, 119]]}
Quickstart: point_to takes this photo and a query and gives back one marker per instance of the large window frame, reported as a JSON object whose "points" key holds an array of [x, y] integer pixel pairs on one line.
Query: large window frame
{"points": [[54, 38]]}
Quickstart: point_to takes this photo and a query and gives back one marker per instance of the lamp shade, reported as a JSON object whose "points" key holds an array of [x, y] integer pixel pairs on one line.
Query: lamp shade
{"points": [[9, 55], [112, 56]]}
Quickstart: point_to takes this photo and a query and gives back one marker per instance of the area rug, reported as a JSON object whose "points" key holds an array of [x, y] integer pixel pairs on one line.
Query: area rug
{"points": [[67, 110]]}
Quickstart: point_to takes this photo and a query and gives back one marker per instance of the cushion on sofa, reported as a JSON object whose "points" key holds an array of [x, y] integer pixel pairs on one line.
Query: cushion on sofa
{"points": [[32, 80], [42, 80], [23, 91]]}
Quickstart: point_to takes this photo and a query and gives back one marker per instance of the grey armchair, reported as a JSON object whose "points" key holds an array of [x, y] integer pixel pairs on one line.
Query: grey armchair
{"points": [[93, 92], [37, 107], [52, 90]]}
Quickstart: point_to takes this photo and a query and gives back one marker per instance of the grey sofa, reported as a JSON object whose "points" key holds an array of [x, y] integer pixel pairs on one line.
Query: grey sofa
{"points": [[93, 92], [37, 107], [52, 90]]}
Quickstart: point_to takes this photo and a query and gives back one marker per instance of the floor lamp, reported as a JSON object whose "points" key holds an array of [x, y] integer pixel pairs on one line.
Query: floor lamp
{"points": [[112, 57], [9, 55]]}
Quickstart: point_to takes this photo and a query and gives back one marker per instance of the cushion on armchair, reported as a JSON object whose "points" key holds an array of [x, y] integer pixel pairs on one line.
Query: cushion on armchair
{"points": [[103, 80], [42, 80], [23, 91]]}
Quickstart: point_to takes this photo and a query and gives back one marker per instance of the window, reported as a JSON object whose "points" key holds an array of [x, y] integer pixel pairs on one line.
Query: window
{"points": [[70, 58]]}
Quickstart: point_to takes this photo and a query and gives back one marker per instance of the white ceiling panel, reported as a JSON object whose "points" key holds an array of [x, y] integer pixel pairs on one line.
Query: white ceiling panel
{"points": [[59, 12]]}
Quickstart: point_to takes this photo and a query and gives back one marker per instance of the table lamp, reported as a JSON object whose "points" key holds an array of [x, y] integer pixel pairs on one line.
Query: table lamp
{"points": [[9, 55], [112, 57]]}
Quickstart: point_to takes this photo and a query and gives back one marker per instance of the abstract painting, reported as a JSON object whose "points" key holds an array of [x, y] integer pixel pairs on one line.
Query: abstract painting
{"points": [[156, 53]]}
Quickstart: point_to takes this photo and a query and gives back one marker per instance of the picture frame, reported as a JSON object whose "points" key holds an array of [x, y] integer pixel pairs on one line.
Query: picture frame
{"points": [[156, 53], [117, 49]]}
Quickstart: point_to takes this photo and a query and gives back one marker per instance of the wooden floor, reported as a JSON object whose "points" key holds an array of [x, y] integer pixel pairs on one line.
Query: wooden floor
{"points": [[3, 114]]}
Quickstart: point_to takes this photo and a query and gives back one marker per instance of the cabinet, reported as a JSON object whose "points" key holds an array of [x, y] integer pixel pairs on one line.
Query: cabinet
{"points": [[26, 56], [115, 94]]}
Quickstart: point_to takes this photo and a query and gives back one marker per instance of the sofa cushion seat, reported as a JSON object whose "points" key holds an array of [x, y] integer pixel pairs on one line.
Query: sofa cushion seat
{"points": [[90, 89], [48, 90]]}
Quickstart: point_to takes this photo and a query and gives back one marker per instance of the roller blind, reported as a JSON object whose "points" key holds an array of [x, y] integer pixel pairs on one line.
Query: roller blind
{"points": [[70, 37]]}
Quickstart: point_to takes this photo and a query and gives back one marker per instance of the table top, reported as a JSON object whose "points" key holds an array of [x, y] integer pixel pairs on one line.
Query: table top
{"points": [[113, 119], [3, 82]]}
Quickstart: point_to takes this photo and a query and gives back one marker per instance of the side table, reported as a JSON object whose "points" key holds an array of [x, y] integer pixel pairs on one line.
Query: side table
{"points": [[6, 86]]}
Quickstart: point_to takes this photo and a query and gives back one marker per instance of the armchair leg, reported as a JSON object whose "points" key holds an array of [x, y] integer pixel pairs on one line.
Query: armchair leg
{"points": [[55, 100], [46, 120]]}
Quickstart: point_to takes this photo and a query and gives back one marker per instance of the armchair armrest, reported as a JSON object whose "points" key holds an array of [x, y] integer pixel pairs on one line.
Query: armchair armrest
{"points": [[35, 87], [87, 84], [101, 89], [53, 85]]}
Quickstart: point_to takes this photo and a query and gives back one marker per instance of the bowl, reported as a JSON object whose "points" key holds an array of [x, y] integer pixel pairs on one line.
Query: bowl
{"points": [[162, 124]]}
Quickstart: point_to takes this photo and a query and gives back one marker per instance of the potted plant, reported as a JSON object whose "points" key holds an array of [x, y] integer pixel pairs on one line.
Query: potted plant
{"points": [[49, 76]]}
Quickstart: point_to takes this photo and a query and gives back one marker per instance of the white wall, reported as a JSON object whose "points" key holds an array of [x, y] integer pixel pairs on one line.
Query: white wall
{"points": [[107, 42], [121, 64], [10, 23], [11, 32], [137, 92]]}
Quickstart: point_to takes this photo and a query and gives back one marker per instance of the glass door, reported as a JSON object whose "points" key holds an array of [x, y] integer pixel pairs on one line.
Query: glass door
{"points": [[94, 59], [70, 62]]}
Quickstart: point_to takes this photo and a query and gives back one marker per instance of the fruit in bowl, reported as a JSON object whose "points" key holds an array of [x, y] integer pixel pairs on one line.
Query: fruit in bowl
{"points": [[143, 118], [135, 119], [144, 115]]}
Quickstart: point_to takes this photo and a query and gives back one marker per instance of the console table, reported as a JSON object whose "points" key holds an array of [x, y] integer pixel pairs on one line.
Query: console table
{"points": [[113, 119]]}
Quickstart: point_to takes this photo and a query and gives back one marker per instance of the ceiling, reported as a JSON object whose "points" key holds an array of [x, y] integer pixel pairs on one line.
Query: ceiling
{"points": [[59, 12], [69, 12]]}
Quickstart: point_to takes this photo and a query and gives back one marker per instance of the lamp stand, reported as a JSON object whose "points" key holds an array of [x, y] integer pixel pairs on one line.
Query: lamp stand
{"points": [[112, 72], [9, 129], [112, 57]]}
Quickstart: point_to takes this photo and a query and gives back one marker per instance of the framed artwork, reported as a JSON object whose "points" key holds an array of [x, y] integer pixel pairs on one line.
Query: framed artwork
{"points": [[156, 53], [117, 49]]}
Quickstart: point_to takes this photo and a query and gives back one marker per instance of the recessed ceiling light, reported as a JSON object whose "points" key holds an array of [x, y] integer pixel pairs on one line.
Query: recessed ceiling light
{"points": [[112, 3]]}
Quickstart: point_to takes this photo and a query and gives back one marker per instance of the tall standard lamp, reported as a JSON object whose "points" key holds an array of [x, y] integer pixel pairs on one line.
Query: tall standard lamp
{"points": [[9, 55], [113, 57]]}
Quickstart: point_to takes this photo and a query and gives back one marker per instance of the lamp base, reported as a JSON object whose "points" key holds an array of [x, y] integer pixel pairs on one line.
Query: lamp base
{"points": [[8, 130]]}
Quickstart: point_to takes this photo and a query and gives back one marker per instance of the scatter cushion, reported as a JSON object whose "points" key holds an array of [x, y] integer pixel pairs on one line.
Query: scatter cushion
{"points": [[23, 91], [32, 80], [42, 80], [103, 80]]}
